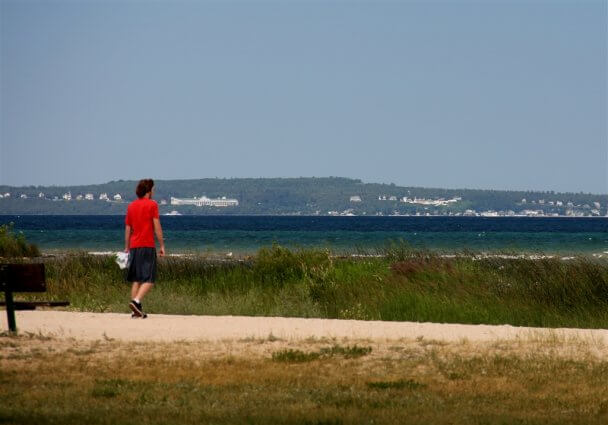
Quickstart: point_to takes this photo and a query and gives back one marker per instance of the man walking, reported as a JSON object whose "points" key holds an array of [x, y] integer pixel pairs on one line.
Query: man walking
{"points": [[141, 223]]}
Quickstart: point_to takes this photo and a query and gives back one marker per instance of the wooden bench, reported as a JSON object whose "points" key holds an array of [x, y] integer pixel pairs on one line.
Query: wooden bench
{"points": [[23, 278]]}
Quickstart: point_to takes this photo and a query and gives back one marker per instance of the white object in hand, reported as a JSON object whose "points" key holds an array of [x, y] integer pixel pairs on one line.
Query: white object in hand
{"points": [[122, 259]]}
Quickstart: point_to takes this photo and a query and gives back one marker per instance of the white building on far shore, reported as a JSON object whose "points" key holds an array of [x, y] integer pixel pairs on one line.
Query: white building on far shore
{"points": [[433, 202], [203, 201], [533, 213], [104, 197], [355, 198]]}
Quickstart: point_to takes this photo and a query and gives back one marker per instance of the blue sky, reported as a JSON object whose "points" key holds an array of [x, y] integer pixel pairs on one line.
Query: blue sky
{"points": [[455, 94]]}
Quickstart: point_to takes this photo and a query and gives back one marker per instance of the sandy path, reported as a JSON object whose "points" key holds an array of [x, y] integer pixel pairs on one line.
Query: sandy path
{"points": [[158, 327]]}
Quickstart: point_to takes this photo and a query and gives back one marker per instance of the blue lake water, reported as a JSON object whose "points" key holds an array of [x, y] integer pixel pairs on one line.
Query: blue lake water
{"points": [[246, 234]]}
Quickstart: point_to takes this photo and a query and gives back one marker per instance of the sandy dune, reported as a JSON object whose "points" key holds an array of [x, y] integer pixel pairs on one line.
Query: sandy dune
{"points": [[167, 328]]}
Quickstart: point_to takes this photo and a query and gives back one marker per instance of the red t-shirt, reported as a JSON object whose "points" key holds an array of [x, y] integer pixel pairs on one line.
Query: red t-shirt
{"points": [[139, 216]]}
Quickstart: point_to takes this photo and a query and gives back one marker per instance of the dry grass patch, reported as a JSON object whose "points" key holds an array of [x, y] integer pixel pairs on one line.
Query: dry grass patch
{"points": [[350, 382]]}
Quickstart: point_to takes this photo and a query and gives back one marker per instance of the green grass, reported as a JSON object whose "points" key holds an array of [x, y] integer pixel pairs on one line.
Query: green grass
{"points": [[401, 286]]}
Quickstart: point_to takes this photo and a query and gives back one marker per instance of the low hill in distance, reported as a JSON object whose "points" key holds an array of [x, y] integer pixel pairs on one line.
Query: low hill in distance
{"points": [[297, 196]]}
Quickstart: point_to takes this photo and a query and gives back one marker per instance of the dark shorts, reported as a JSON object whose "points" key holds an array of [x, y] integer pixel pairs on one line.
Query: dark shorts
{"points": [[142, 265]]}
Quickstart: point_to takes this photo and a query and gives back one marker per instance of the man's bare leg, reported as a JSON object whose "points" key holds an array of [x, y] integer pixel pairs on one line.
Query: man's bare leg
{"points": [[134, 290], [143, 290]]}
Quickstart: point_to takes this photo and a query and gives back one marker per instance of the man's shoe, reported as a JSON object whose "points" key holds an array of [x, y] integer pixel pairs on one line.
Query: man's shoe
{"points": [[136, 308]]}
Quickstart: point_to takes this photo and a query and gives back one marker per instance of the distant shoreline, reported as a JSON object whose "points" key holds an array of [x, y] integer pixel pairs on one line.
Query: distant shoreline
{"points": [[322, 215]]}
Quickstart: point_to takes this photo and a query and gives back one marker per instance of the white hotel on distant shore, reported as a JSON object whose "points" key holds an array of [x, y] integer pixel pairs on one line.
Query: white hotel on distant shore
{"points": [[203, 201]]}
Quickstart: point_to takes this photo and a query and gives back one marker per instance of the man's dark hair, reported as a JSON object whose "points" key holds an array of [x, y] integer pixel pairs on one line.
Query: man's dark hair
{"points": [[144, 186]]}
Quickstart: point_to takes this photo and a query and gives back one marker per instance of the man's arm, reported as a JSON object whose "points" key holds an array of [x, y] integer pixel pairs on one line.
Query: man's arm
{"points": [[159, 235], [127, 237]]}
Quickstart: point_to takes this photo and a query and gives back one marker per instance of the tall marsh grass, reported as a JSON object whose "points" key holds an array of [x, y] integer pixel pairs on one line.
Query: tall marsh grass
{"points": [[401, 285]]}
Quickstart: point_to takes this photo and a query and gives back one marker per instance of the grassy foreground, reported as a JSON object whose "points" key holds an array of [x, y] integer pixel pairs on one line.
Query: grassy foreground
{"points": [[402, 285], [49, 381]]}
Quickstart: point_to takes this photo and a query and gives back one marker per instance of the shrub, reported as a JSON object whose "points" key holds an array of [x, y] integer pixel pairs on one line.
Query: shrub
{"points": [[398, 250], [400, 384], [297, 356], [420, 264], [14, 245], [294, 356], [349, 352]]}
